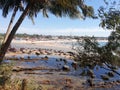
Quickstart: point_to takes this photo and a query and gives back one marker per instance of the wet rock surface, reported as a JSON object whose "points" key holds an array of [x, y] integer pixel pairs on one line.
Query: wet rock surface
{"points": [[60, 72]]}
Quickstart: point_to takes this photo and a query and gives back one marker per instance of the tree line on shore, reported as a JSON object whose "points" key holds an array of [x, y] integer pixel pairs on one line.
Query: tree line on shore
{"points": [[37, 36]]}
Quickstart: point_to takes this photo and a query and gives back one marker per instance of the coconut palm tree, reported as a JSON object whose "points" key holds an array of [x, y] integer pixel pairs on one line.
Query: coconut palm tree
{"points": [[8, 5], [59, 8], [2, 2]]}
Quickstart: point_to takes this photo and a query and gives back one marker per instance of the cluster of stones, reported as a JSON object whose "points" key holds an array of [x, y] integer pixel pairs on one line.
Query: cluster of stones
{"points": [[39, 51], [108, 84]]}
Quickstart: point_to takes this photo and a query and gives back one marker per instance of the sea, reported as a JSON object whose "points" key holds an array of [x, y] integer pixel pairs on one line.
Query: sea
{"points": [[101, 43]]}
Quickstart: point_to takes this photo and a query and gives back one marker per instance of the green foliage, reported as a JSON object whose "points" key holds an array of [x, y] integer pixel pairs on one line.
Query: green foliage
{"points": [[5, 74], [110, 16], [89, 44], [30, 84], [59, 8], [7, 5], [110, 19], [87, 52], [90, 53], [8, 83]]}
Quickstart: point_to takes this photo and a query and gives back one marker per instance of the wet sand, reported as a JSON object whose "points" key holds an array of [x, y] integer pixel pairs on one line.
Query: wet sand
{"points": [[51, 44]]}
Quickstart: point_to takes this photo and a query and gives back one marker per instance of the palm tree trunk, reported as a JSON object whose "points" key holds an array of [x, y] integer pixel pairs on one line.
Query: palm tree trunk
{"points": [[10, 24], [12, 33]]}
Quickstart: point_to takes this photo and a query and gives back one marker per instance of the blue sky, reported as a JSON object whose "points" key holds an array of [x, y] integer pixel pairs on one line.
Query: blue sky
{"points": [[59, 26]]}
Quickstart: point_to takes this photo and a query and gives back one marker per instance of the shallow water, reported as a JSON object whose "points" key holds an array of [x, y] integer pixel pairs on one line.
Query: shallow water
{"points": [[101, 43], [56, 62]]}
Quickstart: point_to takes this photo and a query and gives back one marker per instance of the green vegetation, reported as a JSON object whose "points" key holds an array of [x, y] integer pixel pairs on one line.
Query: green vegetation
{"points": [[90, 54], [5, 74], [7, 82], [110, 16]]}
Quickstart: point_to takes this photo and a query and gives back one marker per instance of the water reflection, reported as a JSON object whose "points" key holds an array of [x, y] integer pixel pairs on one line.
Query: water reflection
{"points": [[55, 62]]}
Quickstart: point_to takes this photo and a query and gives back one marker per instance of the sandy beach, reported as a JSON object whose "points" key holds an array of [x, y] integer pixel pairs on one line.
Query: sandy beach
{"points": [[60, 48], [51, 44], [60, 44]]}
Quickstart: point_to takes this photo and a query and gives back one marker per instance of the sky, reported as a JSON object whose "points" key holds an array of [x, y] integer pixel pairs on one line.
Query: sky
{"points": [[59, 26]]}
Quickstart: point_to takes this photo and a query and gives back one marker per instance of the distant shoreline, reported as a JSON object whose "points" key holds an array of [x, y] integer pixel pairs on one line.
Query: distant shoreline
{"points": [[46, 44], [51, 44]]}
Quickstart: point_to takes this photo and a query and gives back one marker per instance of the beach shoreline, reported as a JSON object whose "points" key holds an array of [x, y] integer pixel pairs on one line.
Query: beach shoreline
{"points": [[51, 47], [59, 44], [49, 44]]}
